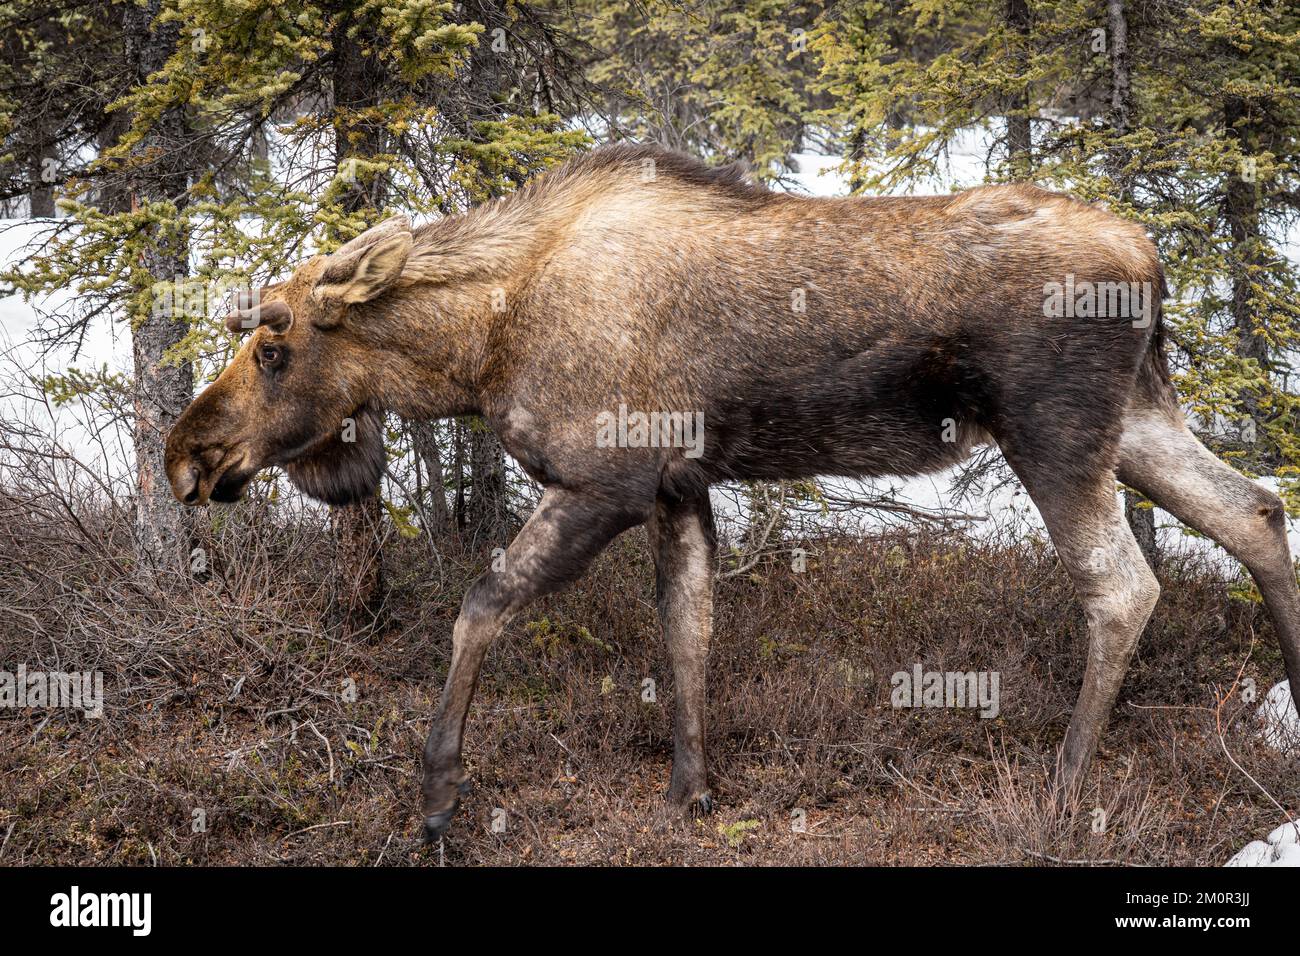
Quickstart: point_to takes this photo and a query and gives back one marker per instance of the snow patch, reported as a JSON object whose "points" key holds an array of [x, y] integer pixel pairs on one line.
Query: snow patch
{"points": [[1281, 722], [1281, 848]]}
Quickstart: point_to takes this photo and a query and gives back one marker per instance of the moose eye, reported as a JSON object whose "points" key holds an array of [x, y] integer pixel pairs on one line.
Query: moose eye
{"points": [[270, 355]]}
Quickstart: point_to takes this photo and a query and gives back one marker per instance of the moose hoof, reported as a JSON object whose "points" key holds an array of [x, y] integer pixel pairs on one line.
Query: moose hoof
{"points": [[435, 826], [700, 805]]}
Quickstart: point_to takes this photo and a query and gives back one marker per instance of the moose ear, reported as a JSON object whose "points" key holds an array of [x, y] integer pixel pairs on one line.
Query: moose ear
{"points": [[374, 234], [358, 275]]}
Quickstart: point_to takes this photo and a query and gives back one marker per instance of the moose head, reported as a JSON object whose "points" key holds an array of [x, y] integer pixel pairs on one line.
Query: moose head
{"points": [[300, 393]]}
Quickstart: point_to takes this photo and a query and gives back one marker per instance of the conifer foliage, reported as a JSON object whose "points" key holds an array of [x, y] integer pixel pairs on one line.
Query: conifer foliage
{"points": [[176, 149]]}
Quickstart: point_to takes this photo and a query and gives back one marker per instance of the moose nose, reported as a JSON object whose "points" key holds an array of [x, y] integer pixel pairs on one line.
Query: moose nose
{"points": [[187, 487]]}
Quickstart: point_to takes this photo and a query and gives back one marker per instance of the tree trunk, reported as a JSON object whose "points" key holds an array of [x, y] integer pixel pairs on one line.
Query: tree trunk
{"points": [[458, 470], [161, 391], [486, 510], [1241, 211], [857, 149], [481, 508], [41, 197], [39, 135], [112, 194], [1142, 520], [424, 442], [1019, 141], [359, 565], [1121, 86], [358, 82]]}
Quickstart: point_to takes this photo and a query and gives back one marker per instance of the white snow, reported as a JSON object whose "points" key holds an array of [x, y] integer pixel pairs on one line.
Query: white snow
{"points": [[1255, 853], [1281, 731], [1279, 717], [1280, 848]]}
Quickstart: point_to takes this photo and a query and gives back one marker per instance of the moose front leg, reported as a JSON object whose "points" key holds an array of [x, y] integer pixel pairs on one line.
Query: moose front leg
{"points": [[682, 540], [553, 548]]}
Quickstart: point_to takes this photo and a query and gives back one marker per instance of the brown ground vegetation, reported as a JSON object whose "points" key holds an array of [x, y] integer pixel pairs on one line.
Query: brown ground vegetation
{"points": [[229, 694]]}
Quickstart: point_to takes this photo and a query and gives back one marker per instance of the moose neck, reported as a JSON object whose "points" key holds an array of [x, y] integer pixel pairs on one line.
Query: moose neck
{"points": [[436, 328], [430, 345]]}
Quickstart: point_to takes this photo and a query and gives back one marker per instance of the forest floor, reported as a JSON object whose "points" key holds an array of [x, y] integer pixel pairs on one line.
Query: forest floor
{"points": [[243, 726]]}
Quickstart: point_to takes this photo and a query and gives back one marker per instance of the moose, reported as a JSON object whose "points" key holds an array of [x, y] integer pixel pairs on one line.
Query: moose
{"points": [[861, 336]]}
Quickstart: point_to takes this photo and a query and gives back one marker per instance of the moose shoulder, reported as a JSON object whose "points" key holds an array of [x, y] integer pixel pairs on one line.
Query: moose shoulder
{"points": [[636, 327]]}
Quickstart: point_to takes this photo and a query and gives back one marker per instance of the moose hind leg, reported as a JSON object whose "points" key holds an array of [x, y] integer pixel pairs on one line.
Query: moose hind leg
{"points": [[682, 541], [1118, 592], [1160, 457], [553, 548]]}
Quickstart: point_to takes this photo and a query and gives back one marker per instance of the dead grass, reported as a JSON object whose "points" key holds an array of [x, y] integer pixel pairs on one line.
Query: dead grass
{"points": [[229, 703]]}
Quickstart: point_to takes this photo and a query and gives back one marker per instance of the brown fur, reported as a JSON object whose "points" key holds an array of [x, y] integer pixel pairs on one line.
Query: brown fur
{"points": [[861, 336]]}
